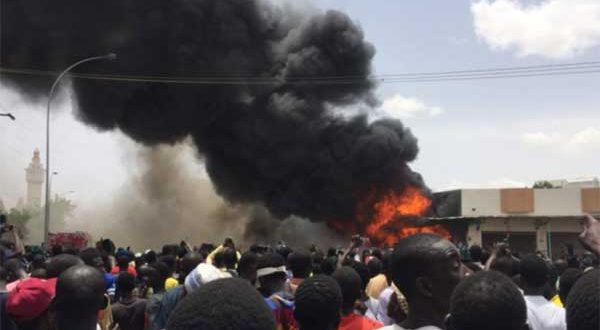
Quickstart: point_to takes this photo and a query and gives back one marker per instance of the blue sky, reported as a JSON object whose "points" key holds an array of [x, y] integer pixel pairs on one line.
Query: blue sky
{"points": [[506, 132]]}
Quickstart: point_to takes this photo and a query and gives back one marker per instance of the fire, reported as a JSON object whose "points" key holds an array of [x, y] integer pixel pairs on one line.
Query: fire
{"points": [[387, 219], [386, 225]]}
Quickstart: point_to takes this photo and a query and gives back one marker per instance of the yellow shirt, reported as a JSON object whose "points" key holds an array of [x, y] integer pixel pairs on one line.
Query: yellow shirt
{"points": [[170, 283], [556, 301], [376, 285]]}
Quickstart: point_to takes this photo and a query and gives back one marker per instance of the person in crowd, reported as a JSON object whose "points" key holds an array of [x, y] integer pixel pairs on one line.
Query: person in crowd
{"points": [[228, 242], [29, 303], [301, 265], [583, 302], [124, 258], [475, 264], [350, 283], [230, 303], [328, 265], [568, 278], [93, 257], [5, 321], [230, 260], [426, 268], [366, 305], [246, 267], [190, 264], [59, 263], [271, 273], [170, 261], [318, 303], [379, 280], [79, 297], [487, 300], [541, 313], [15, 273], [129, 312], [159, 272], [590, 236]]}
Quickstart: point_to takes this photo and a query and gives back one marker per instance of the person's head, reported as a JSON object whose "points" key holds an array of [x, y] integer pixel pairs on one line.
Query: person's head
{"points": [[426, 268], [58, 264], [38, 261], [534, 274], [375, 267], [271, 273], [56, 250], [566, 282], [159, 277], [229, 258], [504, 265], [124, 285], [363, 271], [150, 256], [231, 304], [328, 265], [188, 263], [218, 260], [351, 285], [15, 270], [560, 265], [487, 300], [475, 253], [202, 274], [170, 261], [92, 257], [228, 242], [583, 303], [300, 262], [589, 260], [123, 260], [79, 297], [28, 304], [318, 302], [246, 267]]}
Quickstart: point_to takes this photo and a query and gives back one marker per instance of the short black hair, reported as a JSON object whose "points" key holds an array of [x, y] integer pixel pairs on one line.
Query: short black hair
{"points": [[317, 303], [487, 300], [230, 303], [58, 264], [475, 252], [90, 255], [189, 263], [247, 263], [566, 282], [328, 265], [79, 292], [534, 271], [351, 285], [375, 267], [125, 283], [560, 265], [300, 262], [229, 258], [363, 271], [170, 261], [583, 303], [411, 259], [504, 265]]}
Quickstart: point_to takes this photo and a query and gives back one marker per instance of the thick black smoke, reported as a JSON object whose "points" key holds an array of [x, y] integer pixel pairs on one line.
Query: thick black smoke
{"points": [[278, 144]]}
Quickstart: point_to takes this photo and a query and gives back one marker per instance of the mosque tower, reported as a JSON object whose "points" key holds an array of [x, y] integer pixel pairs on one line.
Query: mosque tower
{"points": [[35, 180]]}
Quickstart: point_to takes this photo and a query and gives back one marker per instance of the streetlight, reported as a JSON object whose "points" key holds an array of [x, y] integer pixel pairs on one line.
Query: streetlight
{"points": [[8, 114], [110, 57]]}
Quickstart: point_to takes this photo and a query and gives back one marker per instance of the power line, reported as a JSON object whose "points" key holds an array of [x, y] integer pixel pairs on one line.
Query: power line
{"points": [[457, 75]]}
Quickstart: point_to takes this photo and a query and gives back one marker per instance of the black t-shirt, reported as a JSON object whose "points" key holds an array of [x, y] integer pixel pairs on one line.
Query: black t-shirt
{"points": [[130, 314]]}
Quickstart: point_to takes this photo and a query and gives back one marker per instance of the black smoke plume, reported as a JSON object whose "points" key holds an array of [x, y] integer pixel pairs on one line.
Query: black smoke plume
{"points": [[278, 144]]}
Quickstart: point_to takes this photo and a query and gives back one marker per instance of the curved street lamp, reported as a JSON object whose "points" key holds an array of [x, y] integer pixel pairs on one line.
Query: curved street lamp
{"points": [[110, 57], [8, 114]]}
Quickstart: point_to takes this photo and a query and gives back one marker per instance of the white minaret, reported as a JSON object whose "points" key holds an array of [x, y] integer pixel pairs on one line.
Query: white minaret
{"points": [[35, 180]]}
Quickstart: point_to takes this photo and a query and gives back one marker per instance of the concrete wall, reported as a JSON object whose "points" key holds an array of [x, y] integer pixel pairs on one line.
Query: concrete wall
{"points": [[480, 202]]}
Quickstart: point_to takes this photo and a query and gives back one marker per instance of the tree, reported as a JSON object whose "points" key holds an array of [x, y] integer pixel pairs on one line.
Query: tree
{"points": [[543, 185], [19, 219]]}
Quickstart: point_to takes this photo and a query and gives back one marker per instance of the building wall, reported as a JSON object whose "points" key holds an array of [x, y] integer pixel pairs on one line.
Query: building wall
{"points": [[480, 202], [557, 202]]}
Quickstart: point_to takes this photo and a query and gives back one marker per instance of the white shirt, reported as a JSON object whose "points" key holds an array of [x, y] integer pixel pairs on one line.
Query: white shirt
{"points": [[384, 301], [544, 315], [397, 327]]}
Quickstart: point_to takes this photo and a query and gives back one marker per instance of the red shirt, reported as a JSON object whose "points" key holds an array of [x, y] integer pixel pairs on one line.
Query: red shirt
{"points": [[357, 322], [131, 270]]}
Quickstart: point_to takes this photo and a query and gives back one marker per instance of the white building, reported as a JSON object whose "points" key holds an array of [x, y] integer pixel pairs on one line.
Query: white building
{"points": [[531, 219]]}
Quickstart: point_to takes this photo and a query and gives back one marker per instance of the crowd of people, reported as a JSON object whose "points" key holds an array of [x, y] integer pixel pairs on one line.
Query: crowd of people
{"points": [[424, 282]]}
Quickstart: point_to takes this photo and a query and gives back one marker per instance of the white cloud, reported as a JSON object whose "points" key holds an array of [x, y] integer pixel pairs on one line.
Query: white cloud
{"points": [[402, 107], [539, 138], [579, 141], [550, 28]]}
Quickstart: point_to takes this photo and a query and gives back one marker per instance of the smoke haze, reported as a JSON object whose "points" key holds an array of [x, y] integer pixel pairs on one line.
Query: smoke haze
{"points": [[276, 144]]}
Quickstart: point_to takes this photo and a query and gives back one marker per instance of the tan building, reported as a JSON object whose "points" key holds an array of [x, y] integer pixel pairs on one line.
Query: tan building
{"points": [[34, 175], [530, 219]]}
